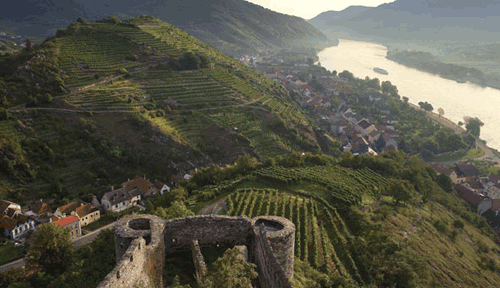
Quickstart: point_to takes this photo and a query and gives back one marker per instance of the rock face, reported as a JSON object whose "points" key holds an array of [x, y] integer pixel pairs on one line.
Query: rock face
{"points": [[143, 241]]}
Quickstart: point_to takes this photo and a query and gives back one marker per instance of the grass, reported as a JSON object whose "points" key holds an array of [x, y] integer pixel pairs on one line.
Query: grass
{"points": [[458, 155], [8, 252]]}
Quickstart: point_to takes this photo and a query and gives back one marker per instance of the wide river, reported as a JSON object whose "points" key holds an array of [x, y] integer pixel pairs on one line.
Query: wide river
{"points": [[456, 99]]}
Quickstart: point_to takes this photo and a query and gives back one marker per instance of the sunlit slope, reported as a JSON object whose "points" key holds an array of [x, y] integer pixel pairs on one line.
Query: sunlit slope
{"points": [[145, 87]]}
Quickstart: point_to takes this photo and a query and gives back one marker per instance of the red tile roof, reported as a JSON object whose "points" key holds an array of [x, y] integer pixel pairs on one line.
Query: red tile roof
{"points": [[67, 220]]}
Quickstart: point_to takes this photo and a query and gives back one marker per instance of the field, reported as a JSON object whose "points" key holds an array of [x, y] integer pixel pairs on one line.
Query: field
{"points": [[321, 237]]}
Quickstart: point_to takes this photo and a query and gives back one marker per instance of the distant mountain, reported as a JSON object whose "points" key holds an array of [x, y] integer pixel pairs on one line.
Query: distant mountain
{"points": [[420, 20], [234, 26]]}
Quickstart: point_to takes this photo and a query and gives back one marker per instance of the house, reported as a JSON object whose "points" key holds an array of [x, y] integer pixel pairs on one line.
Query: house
{"points": [[468, 194], [488, 204], [120, 199], [64, 210], [174, 180], [494, 191], [5, 205], [16, 225], [87, 214], [146, 188], [72, 223], [162, 187], [466, 172], [40, 208]]}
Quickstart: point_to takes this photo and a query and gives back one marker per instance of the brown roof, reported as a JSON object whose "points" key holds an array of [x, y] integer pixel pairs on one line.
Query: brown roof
{"points": [[158, 184], [117, 196], [11, 222], [70, 207], [467, 170], [4, 204], [364, 124], [176, 178], [441, 169], [140, 183], [476, 185], [40, 207], [494, 178], [469, 195], [84, 210]]}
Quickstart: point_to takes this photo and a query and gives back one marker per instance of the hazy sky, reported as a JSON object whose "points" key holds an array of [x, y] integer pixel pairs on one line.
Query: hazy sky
{"points": [[308, 9]]}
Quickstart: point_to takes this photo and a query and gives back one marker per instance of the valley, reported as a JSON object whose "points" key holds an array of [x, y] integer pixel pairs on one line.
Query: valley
{"points": [[186, 129]]}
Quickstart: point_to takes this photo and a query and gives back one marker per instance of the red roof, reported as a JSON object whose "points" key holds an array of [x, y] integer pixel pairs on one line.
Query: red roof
{"points": [[67, 220]]}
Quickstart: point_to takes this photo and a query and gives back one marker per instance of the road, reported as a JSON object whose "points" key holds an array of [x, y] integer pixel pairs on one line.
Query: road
{"points": [[488, 154], [77, 242]]}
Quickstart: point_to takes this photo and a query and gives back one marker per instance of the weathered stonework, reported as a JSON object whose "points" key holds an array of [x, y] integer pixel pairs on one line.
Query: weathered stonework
{"points": [[142, 241]]}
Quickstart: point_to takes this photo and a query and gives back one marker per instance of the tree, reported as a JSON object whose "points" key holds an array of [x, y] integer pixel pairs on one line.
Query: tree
{"points": [[346, 75], [473, 125], [310, 61], [51, 249], [401, 191], [389, 89], [460, 123], [177, 210], [231, 270], [441, 112], [445, 183]]}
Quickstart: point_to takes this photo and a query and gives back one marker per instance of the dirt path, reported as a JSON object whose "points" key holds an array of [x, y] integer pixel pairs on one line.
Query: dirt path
{"points": [[213, 208]]}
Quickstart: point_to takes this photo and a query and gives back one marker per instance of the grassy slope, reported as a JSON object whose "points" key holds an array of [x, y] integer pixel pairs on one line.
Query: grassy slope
{"points": [[447, 260], [122, 138]]}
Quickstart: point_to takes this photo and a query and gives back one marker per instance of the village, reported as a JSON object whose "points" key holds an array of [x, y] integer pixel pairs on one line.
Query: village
{"points": [[16, 222]]}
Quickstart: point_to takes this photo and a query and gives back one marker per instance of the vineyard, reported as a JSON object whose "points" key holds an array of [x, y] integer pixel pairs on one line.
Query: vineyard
{"points": [[321, 237], [345, 186]]}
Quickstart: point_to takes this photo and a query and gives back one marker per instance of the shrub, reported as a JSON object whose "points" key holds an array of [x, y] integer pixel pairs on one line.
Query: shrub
{"points": [[132, 57]]}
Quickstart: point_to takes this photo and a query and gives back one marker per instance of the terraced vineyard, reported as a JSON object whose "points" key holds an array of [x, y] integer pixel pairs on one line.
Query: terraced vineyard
{"points": [[321, 237], [345, 186]]}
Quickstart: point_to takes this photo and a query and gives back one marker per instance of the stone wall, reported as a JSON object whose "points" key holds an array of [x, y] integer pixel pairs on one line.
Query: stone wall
{"points": [[273, 252], [209, 230], [142, 241], [199, 262]]}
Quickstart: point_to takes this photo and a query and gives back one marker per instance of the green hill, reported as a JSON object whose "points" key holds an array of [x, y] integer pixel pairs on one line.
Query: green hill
{"points": [[349, 225], [101, 102], [234, 26]]}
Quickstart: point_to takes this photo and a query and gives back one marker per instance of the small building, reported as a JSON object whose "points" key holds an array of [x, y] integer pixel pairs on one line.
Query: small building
{"points": [[466, 173], [120, 199], [162, 187], [16, 225], [72, 223], [5, 205]]}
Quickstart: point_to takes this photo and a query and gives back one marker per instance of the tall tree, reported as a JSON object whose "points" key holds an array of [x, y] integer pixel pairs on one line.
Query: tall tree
{"points": [[231, 270], [473, 125], [51, 249]]}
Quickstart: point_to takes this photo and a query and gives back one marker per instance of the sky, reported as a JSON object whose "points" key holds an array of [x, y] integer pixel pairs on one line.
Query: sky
{"points": [[308, 9]]}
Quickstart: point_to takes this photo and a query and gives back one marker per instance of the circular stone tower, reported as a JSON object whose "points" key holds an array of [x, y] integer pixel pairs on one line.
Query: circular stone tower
{"points": [[281, 234]]}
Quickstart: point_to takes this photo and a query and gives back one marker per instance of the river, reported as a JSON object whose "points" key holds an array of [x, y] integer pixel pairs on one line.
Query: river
{"points": [[456, 99]]}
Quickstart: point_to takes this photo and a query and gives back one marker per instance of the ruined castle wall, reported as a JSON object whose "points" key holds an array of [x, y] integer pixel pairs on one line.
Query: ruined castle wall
{"points": [[199, 261], [129, 270], [273, 252], [142, 241], [209, 230], [141, 263]]}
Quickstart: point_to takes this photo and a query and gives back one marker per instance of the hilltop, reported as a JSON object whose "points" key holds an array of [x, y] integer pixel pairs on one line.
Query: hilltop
{"points": [[416, 20], [236, 27], [102, 101]]}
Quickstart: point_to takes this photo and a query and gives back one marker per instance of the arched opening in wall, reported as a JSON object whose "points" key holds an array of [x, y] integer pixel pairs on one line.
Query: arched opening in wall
{"points": [[118, 274], [131, 258], [139, 224]]}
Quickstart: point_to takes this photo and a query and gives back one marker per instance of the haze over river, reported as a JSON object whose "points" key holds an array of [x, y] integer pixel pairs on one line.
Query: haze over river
{"points": [[456, 99]]}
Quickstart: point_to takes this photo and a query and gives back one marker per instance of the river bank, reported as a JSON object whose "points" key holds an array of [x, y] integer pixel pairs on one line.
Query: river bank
{"points": [[456, 99]]}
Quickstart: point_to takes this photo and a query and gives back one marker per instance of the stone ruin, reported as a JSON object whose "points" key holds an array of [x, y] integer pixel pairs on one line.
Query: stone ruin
{"points": [[143, 241]]}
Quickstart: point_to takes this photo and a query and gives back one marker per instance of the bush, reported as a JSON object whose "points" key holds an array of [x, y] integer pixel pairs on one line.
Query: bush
{"points": [[132, 57], [441, 226], [458, 224]]}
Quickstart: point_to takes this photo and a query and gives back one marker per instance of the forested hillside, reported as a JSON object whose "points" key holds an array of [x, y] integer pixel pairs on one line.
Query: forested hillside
{"points": [[235, 26], [101, 102]]}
